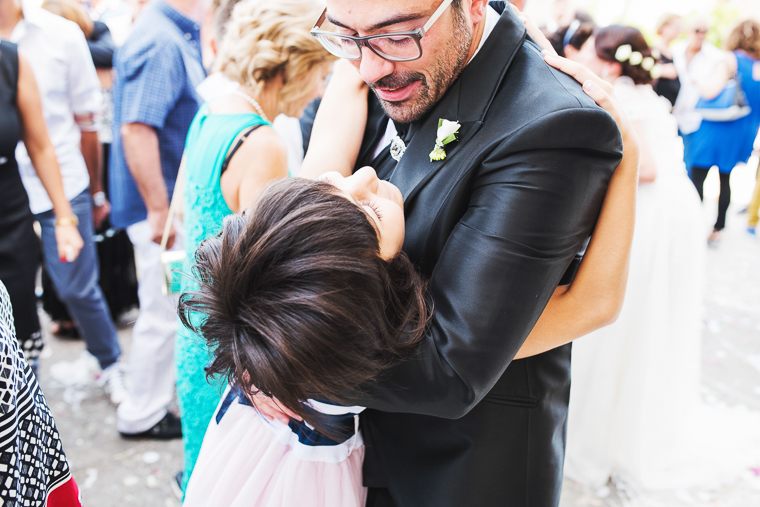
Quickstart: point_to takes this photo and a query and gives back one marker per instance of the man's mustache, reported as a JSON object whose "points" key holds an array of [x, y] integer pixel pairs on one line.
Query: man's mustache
{"points": [[397, 80]]}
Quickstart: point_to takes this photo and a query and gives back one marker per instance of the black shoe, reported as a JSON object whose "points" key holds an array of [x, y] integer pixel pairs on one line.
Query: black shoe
{"points": [[166, 429], [176, 484]]}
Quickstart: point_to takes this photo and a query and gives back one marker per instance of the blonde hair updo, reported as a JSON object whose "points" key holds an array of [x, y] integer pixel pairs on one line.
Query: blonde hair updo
{"points": [[269, 38]]}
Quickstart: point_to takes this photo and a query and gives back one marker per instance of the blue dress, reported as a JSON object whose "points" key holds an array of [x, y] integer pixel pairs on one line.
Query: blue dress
{"points": [[727, 144]]}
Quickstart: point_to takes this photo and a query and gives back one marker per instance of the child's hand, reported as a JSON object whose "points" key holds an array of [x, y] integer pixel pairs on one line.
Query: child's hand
{"points": [[272, 409]]}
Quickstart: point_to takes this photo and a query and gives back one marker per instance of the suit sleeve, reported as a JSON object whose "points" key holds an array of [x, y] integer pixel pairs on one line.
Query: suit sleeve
{"points": [[535, 199]]}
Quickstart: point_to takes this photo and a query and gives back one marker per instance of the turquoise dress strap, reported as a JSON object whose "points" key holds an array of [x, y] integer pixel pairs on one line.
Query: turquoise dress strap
{"points": [[208, 142]]}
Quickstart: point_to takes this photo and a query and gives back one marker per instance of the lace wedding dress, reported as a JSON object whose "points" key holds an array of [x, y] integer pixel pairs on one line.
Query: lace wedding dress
{"points": [[635, 409]]}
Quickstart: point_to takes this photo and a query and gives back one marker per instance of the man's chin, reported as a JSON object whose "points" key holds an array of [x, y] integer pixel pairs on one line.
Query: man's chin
{"points": [[405, 111]]}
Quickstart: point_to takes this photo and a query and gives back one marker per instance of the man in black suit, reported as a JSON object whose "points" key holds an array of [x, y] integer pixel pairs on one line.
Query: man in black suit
{"points": [[496, 225]]}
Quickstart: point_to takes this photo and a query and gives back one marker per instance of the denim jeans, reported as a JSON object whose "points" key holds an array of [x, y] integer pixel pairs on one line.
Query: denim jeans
{"points": [[76, 283]]}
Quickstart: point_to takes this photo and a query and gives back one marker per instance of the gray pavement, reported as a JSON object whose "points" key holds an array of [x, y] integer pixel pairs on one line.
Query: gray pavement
{"points": [[115, 472]]}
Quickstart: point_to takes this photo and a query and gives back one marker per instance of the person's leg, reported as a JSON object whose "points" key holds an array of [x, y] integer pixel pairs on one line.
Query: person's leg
{"points": [[151, 356], [19, 278], [77, 283], [754, 206], [698, 176], [723, 201]]}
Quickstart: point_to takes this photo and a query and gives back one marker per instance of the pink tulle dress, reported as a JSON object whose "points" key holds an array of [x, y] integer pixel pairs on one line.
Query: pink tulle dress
{"points": [[249, 461]]}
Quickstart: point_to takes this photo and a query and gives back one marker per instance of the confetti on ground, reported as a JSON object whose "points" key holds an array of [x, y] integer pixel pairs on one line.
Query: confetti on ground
{"points": [[151, 457], [92, 476], [131, 481]]}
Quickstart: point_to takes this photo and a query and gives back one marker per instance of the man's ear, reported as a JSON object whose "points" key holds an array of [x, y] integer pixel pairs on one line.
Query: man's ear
{"points": [[477, 10]]}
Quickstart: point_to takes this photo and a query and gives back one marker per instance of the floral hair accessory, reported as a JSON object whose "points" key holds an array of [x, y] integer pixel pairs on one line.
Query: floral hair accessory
{"points": [[623, 53], [648, 63], [656, 71], [636, 58], [447, 133]]}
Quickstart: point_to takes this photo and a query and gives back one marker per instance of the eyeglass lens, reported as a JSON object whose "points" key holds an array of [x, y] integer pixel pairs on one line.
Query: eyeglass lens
{"points": [[398, 47]]}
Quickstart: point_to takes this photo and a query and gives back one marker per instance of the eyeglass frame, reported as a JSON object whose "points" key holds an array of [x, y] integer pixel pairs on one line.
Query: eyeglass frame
{"points": [[416, 35]]}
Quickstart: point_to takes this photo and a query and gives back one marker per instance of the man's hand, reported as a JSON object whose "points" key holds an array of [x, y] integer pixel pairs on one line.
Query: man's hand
{"points": [[144, 161], [157, 221], [99, 213]]}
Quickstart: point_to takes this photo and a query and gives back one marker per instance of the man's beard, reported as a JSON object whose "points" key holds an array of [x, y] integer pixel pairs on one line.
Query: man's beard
{"points": [[442, 74]]}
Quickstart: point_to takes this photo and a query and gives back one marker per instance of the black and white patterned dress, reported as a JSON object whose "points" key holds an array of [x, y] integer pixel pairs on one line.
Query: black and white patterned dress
{"points": [[33, 467]]}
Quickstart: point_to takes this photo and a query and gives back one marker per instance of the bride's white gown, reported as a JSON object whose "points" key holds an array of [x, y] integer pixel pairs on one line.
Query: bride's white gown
{"points": [[635, 409]]}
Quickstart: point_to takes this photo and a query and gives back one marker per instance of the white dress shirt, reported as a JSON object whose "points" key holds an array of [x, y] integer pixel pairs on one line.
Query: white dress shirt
{"points": [[701, 68], [492, 17], [60, 59]]}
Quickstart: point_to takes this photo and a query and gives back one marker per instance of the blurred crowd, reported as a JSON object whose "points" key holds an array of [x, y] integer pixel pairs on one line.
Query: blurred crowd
{"points": [[635, 412], [101, 147]]}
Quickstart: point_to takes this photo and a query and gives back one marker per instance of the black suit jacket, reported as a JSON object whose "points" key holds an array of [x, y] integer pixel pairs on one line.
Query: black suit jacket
{"points": [[494, 226]]}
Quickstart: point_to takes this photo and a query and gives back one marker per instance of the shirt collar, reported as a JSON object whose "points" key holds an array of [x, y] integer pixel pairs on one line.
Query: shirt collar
{"points": [[32, 17], [187, 25], [492, 17]]}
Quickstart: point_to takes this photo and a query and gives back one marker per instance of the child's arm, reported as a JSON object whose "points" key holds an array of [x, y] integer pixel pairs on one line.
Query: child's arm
{"points": [[339, 125]]}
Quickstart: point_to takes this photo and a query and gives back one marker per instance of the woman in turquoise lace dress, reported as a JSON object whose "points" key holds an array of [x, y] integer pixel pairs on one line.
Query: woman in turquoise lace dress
{"points": [[274, 66]]}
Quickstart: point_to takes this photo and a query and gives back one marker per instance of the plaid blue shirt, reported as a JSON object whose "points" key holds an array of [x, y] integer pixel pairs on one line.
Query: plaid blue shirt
{"points": [[156, 72]]}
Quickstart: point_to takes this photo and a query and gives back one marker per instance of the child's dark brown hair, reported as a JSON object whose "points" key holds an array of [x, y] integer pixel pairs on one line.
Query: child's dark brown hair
{"points": [[294, 300]]}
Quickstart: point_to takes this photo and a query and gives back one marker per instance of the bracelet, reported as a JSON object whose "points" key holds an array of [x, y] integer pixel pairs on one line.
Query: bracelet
{"points": [[65, 221], [99, 198]]}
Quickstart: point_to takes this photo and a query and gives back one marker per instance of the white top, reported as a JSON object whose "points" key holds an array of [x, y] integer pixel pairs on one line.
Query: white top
{"points": [[492, 17], [62, 65], [701, 68]]}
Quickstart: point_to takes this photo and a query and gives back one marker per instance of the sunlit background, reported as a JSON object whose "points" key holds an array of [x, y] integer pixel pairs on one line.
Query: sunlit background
{"points": [[644, 13]]}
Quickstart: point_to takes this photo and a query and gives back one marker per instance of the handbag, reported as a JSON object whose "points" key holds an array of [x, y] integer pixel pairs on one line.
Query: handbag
{"points": [[172, 261], [729, 105]]}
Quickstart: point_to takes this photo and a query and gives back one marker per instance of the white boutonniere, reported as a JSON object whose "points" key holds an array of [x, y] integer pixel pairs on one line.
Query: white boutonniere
{"points": [[447, 133]]}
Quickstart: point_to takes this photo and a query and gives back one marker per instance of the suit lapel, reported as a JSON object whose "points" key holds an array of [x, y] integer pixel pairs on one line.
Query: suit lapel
{"points": [[466, 101]]}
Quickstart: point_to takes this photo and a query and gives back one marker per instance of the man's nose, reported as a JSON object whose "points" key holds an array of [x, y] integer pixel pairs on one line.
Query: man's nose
{"points": [[373, 68]]}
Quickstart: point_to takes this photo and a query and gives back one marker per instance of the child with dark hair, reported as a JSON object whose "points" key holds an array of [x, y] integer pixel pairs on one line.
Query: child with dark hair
{"points": [[305, 277], [307, 298]]}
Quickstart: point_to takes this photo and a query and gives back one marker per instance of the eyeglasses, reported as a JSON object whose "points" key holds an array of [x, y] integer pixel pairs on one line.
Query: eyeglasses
{"points": [[700, 31], [395, 47]]}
